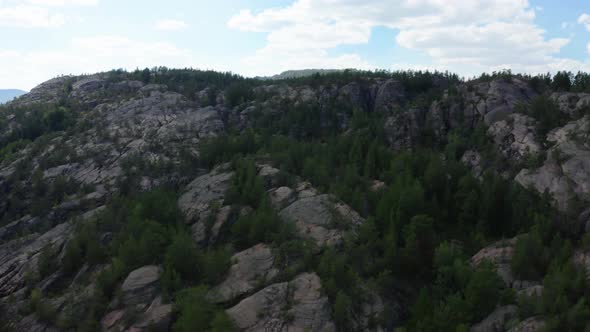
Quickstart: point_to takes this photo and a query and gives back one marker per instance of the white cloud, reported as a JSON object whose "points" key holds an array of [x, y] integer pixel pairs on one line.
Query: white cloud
{"points": [[584, 19], [24, 16], [63, 2], [37, 13], [465, 35], [170, 25], [89, 55]]}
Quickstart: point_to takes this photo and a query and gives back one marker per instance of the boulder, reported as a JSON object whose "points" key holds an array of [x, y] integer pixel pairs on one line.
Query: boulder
{"points": [[157, 317], [281, 197], [497, 320], [532, 324], [473, 160], [320, 218], [141, 285], [536, 290], [298, 305], [500, 255], [203, 192], [251, 268]]}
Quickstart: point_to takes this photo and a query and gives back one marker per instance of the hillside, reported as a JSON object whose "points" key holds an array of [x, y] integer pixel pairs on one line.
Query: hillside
{"points": [[190, 200], [7, 95]]}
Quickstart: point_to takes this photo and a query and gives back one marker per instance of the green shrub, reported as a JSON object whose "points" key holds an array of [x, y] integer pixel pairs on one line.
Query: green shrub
{"points": [[195, 313]]}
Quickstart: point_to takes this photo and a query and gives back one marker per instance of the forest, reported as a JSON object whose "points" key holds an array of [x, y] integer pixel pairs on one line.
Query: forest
{"points": [[428, 217]]}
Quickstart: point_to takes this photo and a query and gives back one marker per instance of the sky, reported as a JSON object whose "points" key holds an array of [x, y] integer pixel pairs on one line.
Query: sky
{"points": [[41, 39]]}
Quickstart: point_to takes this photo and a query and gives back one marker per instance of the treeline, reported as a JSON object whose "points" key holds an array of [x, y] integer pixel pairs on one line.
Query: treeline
{"points": [[562, 81]]}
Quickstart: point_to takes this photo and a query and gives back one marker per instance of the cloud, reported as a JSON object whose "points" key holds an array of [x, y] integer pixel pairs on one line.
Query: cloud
{"points": [[37, 13], [469, 36], [584, 19], [63, 2], [24, 16], [89, 55], [170, 25]]}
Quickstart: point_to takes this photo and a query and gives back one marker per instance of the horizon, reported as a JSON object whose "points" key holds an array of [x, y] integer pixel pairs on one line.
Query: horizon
{"points": [[48, 38]]}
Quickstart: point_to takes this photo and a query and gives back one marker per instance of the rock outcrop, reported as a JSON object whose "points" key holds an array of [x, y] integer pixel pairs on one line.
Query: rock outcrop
{"points": [[493, 101], [251, 268], [497, 320], [19, 257], [566, 171], [500, 255], [515, 137], [141, 285], [319, 217], [297, 305], [532, 324], [571, 103], [203, 192], [142, 307]]}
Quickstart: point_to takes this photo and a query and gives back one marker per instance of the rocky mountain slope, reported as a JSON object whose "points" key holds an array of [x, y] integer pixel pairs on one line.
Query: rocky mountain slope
{"points": [[186, 200]]}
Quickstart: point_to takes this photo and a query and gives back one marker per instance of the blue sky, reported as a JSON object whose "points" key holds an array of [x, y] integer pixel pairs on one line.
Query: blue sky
{"points": [[45, 38]]}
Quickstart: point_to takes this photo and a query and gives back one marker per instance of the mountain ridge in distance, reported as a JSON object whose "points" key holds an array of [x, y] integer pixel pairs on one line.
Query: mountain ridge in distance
{"points": [[7, 95]]}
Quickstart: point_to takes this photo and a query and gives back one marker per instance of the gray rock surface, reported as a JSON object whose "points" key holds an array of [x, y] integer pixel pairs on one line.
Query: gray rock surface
{"points": [[497, 320], [531, 291], [157, 317], [19, 257], [474, 161], [201, 193], [570, 102], [251, 268], [141, 285], [515, 137], [320, 217], [297, 305], [532, 324], [47, 92], [403, 129], [500, 255], [566, 172]]}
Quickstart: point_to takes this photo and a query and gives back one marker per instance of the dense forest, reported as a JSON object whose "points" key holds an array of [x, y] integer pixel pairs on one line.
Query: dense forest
{"points": [[425, 212]]}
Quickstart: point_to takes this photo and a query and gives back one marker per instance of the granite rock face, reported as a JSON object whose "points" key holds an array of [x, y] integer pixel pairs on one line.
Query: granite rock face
{"points": [[532, 324], [497, 320], [141, 285], [566, 171], [498, 254], [19, 257], [515, 137], [251, 268], [297, 305], [319, 217], [203, 192], [571, 103]]}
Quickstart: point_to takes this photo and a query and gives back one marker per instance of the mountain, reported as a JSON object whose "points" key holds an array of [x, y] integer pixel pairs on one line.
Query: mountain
{"points": [[192, 200], [9, 94]]}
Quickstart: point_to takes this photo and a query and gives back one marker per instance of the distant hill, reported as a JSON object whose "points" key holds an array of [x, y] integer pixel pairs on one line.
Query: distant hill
{"points": [[9, 94], [301, 73]]}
